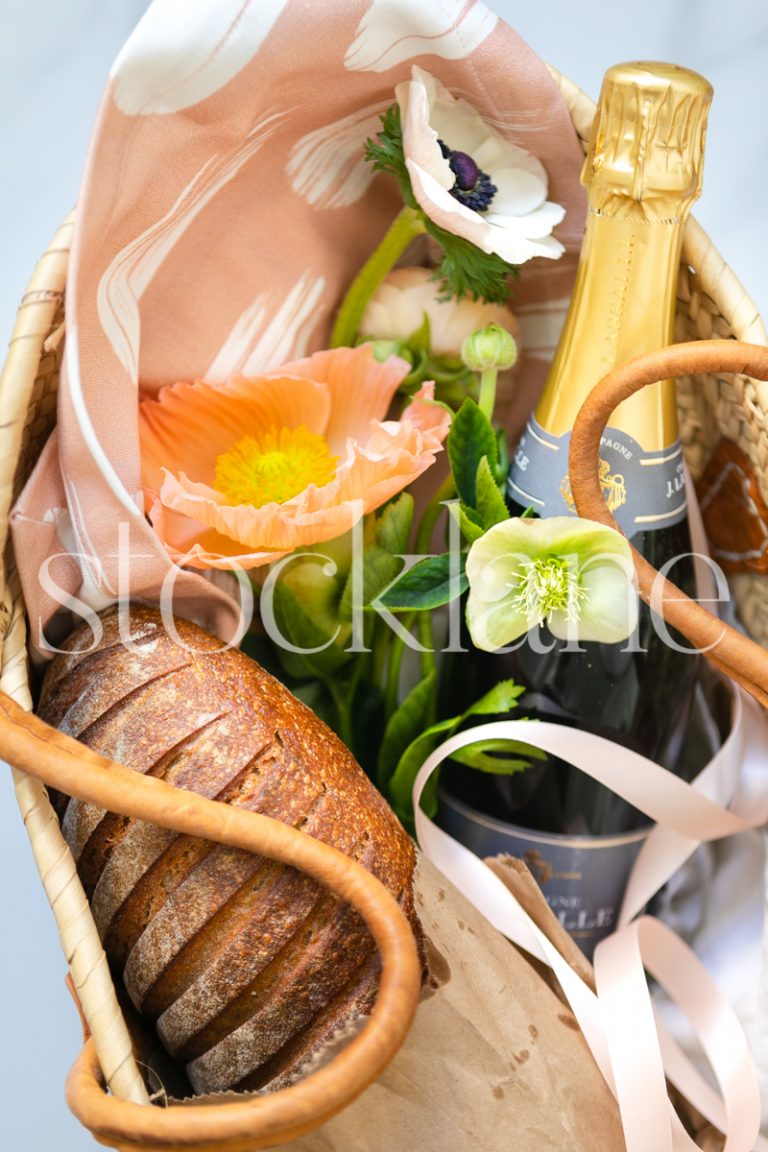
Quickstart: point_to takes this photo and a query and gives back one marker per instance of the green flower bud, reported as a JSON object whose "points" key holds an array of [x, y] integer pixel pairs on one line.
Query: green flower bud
{"points": [[491, 347]]}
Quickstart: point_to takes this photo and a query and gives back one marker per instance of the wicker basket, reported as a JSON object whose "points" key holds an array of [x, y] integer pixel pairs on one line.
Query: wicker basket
{"points": [[711, 302]]}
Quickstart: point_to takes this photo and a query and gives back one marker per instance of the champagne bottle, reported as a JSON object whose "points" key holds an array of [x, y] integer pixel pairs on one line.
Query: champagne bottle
{"points": [[642, 173]]}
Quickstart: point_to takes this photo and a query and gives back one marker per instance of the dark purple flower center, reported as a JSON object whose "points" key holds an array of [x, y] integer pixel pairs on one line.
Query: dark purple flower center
{"points": [[472, 186]]}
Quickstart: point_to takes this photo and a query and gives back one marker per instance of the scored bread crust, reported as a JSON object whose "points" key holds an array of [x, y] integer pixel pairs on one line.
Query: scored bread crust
{"points": [[247, 966]]}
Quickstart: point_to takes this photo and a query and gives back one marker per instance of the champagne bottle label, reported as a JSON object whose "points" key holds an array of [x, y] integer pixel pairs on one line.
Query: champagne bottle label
{"points": [[644, 490], [582, 878]]}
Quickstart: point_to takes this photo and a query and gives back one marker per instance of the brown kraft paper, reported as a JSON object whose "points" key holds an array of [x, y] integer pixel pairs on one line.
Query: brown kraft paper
{"points": [[494, 1060]]}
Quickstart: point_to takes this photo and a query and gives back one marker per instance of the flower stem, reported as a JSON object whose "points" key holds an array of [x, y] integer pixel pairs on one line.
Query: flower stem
{"points": [[423, 540], [408, 224], [397, 649], [342, 703], [487, 398], [446, 491], [380, 641], [427, 660]]}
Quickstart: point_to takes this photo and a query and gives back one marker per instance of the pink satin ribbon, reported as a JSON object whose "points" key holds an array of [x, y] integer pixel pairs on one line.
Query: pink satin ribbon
{"points": [[627, 1038]]}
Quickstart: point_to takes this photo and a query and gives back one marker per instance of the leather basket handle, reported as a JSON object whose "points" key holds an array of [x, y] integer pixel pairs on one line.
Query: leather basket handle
{"points": [[727, 649], [276, 1118]]}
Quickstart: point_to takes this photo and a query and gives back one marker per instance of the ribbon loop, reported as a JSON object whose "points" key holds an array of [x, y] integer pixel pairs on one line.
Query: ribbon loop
{"points": [[627, 1039]]}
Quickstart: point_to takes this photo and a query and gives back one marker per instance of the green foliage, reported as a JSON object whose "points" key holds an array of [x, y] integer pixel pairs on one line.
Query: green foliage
{"points": [[493, 756], [476, 451], [320, 654], [394, 524], [501, 470], [468, 520], [316, 696], [501, 698], [404, 727], [316, 581], [431, 583], [400, 791], [420, 340], [382, 558], [470, 439], [379, 569], [386, 153], [490, 502], [466, 270], [406, 739]]}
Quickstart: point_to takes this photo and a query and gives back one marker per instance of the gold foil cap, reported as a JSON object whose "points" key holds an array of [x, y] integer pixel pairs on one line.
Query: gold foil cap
{"points": [[647, 142]]}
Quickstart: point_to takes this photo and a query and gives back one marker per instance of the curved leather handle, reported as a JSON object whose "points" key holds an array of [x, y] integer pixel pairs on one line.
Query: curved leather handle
{"points": [[241, 1126], [733, 653]]}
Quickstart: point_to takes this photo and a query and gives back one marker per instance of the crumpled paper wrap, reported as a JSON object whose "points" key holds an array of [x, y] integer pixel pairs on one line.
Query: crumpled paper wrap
{"points": [[494, 1061]]}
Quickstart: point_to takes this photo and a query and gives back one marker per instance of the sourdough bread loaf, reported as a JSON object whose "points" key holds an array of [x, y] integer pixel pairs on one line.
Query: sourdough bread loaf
{"points": [[246, 965]]}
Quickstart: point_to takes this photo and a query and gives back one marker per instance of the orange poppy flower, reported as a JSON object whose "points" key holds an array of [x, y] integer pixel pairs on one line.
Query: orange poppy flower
{"points": [[245, 472]]}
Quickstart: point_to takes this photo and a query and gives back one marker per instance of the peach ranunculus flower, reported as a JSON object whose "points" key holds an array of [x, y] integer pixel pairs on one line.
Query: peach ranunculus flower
{"points": [[248, 471], [398, 306], [469, 179]]}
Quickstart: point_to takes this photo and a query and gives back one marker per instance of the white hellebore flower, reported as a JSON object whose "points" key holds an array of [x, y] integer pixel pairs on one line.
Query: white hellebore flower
{"points": [[575, 574], [398, 305], [470, 180]]}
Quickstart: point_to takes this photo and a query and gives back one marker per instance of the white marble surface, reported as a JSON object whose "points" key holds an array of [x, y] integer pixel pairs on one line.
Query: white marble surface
{"points": [[55, 58]]}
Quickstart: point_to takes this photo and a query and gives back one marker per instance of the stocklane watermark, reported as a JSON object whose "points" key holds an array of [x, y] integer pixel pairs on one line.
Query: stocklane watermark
{"points": [[112, 580]]}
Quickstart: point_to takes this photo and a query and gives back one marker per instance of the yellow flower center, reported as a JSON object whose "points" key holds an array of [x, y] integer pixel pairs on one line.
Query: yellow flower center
{"points": [[275, 466]]}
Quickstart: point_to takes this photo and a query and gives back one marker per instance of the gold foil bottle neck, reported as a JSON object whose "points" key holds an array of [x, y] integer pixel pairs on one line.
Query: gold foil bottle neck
{"points": [[647, 144]]}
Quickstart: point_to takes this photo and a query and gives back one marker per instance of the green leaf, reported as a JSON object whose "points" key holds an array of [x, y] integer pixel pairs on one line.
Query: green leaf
{"points": [[367, 710], [314, 694], [470, 439], [481, 756], [393, 526], [420, 372], [404, 726], [320, 654], [293, 666], [429, 584], [383, 558], [316, 582], [468, 521], [380, 569], [490, 502], [450, 370], [400, 790], [386, 153], [501, 468], [468, 271], [501, 698]]}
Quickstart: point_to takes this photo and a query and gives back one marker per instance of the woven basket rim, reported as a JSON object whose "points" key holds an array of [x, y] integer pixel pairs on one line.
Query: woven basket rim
{"points": [[33, 325]]}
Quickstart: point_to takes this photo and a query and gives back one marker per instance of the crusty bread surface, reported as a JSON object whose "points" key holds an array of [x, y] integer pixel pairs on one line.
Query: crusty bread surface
{"points": [[246, 965]]}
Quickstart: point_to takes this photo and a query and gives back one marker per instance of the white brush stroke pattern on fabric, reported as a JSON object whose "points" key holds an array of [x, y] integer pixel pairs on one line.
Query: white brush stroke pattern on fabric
{"points": [[327, 166], [511, 123], [255, 345], [181, 53], [396, 30], [94, 590], [133, 268]]}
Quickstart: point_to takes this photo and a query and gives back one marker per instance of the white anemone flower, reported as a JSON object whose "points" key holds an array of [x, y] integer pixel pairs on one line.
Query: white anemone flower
{"points": [[574, 574], [471, 181], [398, 306]]}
